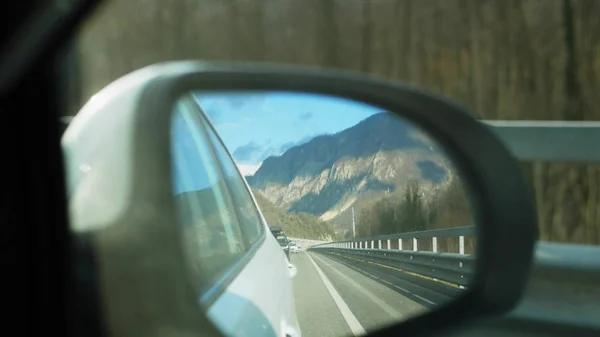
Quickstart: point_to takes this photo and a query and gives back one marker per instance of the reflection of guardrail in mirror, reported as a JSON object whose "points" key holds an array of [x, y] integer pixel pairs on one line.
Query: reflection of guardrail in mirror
{"points": [[306, 243], [401, 251]]}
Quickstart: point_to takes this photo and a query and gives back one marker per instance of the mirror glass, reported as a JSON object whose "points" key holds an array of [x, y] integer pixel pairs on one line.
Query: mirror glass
{"points": [[365, 205]]}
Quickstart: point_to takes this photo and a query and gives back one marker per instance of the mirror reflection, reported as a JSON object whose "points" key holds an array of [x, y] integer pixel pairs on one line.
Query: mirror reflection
{"points": [[317, 202]]}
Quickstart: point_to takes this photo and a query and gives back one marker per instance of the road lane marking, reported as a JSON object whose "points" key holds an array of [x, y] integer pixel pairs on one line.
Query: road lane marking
{"points": [[424, 299], [384, 306], [393, 285], [355, 326], [454, 285], [399, 287]]}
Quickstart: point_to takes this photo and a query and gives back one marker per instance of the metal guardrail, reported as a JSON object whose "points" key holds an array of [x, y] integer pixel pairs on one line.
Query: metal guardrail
{"points": [[306, 243], [369, 242], [554, 141], [449, 267]]}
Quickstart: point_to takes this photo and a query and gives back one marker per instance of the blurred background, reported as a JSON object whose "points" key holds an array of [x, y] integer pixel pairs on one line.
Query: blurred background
{"points": [[504, 59]]}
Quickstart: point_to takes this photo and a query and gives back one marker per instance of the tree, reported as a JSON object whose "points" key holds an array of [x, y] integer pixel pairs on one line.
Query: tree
{"points": [[506, 59]]}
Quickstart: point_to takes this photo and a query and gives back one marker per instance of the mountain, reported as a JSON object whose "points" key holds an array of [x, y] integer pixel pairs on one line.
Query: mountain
{"points": [[295, 225], [199, 213], [329, 174]]}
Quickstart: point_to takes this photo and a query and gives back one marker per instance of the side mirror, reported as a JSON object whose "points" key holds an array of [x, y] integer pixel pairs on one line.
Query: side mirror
{"points": [[121, 167]]}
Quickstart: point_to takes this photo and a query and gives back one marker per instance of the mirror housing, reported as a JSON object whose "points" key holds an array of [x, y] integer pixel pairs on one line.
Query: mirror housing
{"points": [[141, 104]]}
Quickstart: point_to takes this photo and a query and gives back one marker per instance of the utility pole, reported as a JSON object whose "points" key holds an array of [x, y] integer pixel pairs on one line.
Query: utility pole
{"points": [[353, 225]]}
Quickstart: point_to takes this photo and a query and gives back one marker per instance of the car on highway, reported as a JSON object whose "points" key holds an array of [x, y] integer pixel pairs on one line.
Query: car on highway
{"points": [[275, 230], [293, 247], [284, 244], [282, 239], [118, 256]]}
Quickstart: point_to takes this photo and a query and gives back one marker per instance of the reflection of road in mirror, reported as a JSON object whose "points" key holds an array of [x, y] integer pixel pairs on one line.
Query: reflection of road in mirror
{"points": [[379, 225]]}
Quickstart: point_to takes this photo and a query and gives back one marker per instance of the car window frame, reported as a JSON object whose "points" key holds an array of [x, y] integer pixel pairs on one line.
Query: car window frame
{"points": [[231, 273], [211, 129], [213, 132]]}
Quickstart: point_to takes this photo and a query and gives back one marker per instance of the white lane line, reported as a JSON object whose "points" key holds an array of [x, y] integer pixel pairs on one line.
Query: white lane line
{"points": [[399, 287], [424, 299], [384, 306], [355, 326], [395, 286]]}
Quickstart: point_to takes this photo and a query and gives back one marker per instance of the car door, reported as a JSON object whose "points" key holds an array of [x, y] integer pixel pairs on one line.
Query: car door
{"points": [[242, 276]]}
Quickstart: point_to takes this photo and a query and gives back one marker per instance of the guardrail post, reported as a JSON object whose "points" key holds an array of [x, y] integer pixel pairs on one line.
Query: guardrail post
{"points": [[378, 244], [372, 244], [461, 245], [399, 244], [415, 248], [434, 244], [389, 246], [360, 245]]}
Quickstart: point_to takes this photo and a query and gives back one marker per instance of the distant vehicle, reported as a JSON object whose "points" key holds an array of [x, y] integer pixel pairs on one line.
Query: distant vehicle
{"points": [[293, 248], [283, 240], [285, 244], [275, 230]]}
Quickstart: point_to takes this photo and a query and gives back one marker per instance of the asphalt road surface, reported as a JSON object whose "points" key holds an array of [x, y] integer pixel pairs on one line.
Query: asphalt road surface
{"points": [[338, 297]]}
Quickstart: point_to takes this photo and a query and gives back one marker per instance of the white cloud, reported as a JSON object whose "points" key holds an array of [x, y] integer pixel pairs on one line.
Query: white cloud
{"points": [[248, 169]]}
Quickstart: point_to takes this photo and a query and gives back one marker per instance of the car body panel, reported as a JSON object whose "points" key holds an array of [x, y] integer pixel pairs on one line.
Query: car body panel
{"points": [[262, 284]]}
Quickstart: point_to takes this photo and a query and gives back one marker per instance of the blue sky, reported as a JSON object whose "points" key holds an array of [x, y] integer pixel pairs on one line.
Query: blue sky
{"points": [[256, 125]]}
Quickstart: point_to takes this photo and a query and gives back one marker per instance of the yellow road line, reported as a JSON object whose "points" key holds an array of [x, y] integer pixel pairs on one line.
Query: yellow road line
{"points": [[404, 271]]}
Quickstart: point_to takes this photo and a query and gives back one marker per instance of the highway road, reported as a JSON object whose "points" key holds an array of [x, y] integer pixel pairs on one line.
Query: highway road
{"points": [[340, 297]]}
